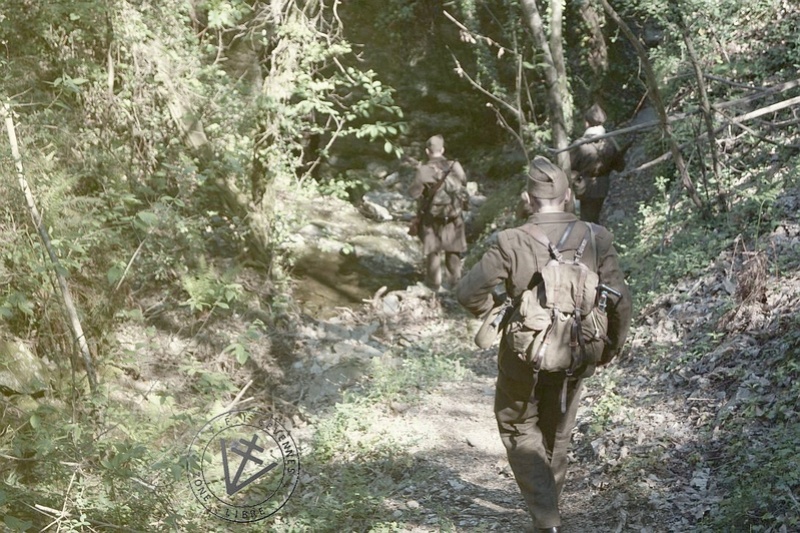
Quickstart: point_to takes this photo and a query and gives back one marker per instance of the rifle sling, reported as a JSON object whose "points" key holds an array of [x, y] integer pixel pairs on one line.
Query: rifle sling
{"points": [[429, 197]]}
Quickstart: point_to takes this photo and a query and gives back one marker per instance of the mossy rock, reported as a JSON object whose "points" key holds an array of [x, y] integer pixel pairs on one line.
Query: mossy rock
{"points": [[21, 372]]}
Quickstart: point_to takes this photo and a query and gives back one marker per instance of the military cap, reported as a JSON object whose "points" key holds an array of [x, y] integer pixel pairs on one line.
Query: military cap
{"points": [[435, 143], [546, 180], [595, 115]]}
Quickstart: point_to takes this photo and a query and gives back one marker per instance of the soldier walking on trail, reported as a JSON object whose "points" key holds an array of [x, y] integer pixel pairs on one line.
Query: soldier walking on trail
{"points": [[591, 164], [536, 408], [440, 188]]}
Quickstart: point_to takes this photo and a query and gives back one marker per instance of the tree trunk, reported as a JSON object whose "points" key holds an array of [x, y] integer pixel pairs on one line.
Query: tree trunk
{"points": [[654, 94], [704, 105], [598, 51], [554, 73], [69, 305]]}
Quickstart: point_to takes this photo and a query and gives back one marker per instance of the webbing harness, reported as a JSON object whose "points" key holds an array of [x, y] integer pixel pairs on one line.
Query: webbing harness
{"points": [[576, 342]]}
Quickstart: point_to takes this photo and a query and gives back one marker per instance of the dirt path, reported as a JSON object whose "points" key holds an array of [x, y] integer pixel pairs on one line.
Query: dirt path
{"points": [[452, 432], [457, 432], [648, 432]]}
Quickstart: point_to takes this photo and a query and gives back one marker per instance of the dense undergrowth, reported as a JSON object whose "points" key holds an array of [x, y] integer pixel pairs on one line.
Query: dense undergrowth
{"points": [[183, 312], [736, 341]]}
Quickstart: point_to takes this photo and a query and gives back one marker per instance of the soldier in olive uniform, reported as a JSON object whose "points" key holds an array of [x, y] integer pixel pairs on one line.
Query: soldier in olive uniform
{"points": [[591, 164], [533, 426], [441, 234]]}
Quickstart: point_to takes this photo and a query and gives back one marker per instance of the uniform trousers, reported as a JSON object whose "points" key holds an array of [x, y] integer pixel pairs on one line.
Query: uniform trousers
{"points": [[591, 208], [433, 270], [536, 433]]}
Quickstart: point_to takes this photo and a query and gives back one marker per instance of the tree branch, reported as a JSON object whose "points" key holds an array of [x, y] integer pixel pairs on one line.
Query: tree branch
{"points": [[72, 313], [735, 121], [463, 73], [775, 89], [654, 94]]}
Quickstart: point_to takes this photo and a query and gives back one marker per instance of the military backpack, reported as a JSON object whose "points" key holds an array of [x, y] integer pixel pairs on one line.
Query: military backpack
{"points": [[451, 197], [559, 323]]}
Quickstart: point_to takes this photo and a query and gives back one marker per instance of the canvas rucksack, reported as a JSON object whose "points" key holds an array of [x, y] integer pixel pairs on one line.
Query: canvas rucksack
{"points": [[597, 158], [558, 325], [449, 199]]}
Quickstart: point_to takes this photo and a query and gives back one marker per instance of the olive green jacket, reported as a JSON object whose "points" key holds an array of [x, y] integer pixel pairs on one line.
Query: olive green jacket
{"points": [[516, 256], [438, 236], [593, 162]]}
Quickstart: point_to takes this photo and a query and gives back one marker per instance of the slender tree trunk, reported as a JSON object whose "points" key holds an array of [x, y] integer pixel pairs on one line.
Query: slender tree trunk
{"points": [[194, 137], [554, 74], [72, 313], [598, 51], [705, 105], [654, 94], [557, 49]]}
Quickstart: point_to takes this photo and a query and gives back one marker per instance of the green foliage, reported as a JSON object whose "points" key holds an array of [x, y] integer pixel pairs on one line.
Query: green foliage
{"points": [[207, 290], [340, 187], [83, 476], [764, 482], [208, 383], [609, 405], [415, 372], [671, 240], [133, 117], [757, 471], [241, 347], [224, 14]]}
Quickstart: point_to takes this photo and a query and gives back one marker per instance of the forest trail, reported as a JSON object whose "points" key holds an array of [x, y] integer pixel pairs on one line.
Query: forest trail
{"points": [[652, 429], [451, 433]]}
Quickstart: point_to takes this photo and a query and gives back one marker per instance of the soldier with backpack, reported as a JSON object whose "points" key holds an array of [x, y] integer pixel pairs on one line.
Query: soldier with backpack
{"points": [[440, 188], [591, 164], [570, 311]]}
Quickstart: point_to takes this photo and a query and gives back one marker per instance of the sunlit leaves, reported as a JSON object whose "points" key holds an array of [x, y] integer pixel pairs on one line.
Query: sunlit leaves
{"points": [[226, 13]]}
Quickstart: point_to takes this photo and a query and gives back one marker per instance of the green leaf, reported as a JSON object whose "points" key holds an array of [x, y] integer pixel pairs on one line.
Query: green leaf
{"points": [[114, 274], [77, 431], [26, 307], [241, 354], [34, 420], [61, 272], [387, 147], [147, 217], [15, 524]]}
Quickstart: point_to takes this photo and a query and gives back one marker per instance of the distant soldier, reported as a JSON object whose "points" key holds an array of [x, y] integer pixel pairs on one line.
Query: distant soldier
{"points": [[440, 188], [591, 163]]}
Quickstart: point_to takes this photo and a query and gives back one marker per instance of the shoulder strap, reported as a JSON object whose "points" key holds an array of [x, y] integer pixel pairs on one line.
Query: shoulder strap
{"points": [[436, 187], [565, 236], [444, 177], [540, 236], [582, 246], [593, 242]]}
